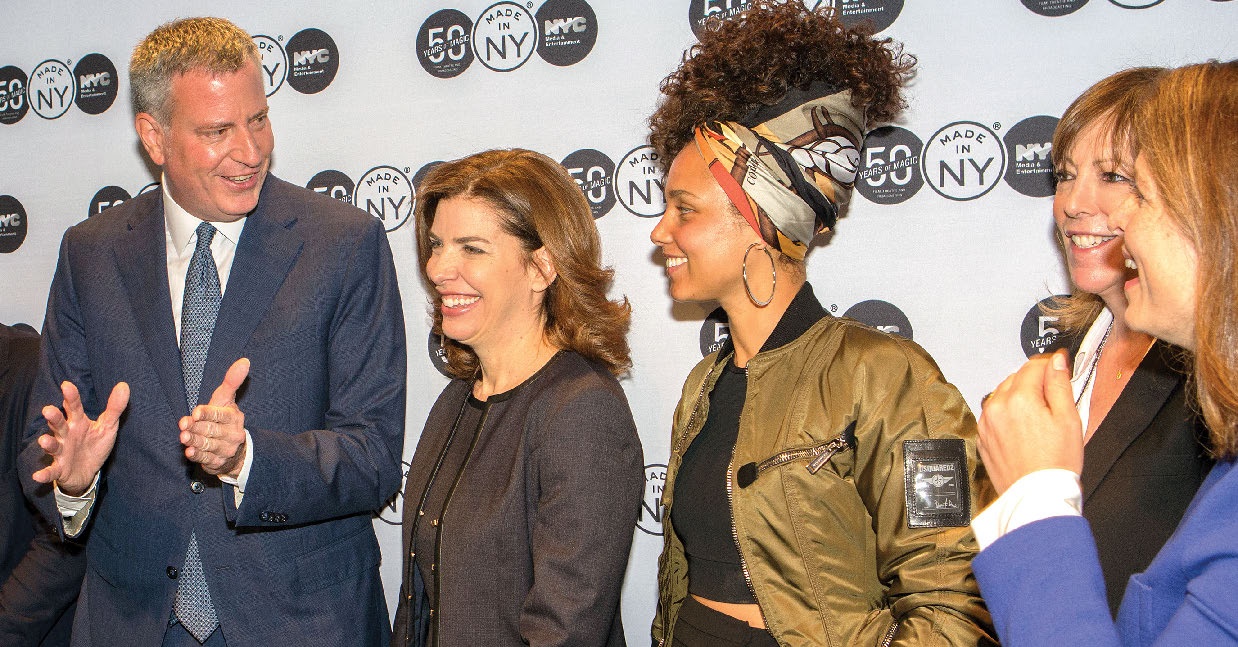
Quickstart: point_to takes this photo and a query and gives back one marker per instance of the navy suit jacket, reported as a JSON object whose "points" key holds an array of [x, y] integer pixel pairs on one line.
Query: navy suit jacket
{"points": [[312, 301], [1043, 582], [39, 575]]}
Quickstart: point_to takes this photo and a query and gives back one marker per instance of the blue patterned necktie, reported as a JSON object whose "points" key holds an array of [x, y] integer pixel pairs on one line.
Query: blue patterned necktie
{"points": [[199, 309]]}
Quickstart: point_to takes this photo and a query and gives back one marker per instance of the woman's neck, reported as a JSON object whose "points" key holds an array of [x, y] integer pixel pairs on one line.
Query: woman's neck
{"points": [[505, 368], [751, 325]]}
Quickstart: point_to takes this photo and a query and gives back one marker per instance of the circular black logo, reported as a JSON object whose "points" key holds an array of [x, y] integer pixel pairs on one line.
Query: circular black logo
{"points": [[1039, 332], [1028, 144], [879, 14], [106, 198], [963, 161], [715, 330], [569, 30], [650, 519], [438, 356], [96, 83], [594, 172], [385, 193], [881, 315], [1054, 8], [444, 43], [392, 514], [701, 10], [332, 184], [638, 183], [314, 60], [13, 103], [51, 89], [504, 36], [12, 224], [891, 171], [274, 63], [149, 187]]}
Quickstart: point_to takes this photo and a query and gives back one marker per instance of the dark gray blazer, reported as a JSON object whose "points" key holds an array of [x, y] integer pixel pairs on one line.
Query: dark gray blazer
{"points": [[39, 575], [536, 535], [1141, 468], [312, 302]]}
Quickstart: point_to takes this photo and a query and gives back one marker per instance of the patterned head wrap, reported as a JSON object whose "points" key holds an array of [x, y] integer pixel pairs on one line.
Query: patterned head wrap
{"points": [[789, 172]]}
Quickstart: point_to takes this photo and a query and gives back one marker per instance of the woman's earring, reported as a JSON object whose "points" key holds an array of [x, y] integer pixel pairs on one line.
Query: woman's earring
{"points": [[773, 273]]}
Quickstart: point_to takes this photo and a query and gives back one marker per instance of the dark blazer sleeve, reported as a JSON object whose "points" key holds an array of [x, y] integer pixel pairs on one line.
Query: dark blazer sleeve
{"points": [[44, 581], [352, 463], [589, 480]]}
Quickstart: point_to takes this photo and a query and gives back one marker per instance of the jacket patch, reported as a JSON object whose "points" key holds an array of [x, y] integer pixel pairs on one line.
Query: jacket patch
{"points": [[936, 480]]}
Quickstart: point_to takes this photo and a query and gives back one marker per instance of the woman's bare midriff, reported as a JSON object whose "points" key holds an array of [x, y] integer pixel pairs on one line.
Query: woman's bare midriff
{"points": [[749, 613]]}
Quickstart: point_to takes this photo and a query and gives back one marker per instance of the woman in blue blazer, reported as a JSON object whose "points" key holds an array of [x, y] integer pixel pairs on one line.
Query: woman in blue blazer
{"points": [[1179, 219]]}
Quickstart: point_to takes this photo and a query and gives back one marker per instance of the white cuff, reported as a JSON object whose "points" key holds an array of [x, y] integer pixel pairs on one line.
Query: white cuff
{"points": [[75, 510], [238, 483], [1039, 495]]}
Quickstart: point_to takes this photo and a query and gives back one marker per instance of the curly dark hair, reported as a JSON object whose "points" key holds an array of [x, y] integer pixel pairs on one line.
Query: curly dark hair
{"points": [[751, 60]]}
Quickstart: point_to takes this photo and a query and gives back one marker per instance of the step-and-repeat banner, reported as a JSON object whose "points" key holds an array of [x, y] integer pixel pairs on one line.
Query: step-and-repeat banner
{"points": [[947, 241]]}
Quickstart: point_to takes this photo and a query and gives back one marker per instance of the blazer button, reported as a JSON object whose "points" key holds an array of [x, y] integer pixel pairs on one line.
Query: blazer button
{"points": [[197, 486], [265, 516], [173, 573]]}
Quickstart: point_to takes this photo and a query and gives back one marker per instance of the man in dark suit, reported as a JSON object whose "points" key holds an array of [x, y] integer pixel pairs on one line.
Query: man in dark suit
{"points": [[230, 356], [39, 575]]}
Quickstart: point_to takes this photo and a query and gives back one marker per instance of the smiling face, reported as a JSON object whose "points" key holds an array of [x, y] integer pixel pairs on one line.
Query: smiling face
{"points": [[215, 148], [1162, 293], [490, 290], [1089, 186], [701, 235]]}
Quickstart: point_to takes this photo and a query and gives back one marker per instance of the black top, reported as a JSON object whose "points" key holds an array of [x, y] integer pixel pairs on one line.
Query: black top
{"points": [[714, 566], [705, 525]]}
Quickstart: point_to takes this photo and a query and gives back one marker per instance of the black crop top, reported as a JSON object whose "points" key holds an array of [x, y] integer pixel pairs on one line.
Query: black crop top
{"points": [[701, 512]]}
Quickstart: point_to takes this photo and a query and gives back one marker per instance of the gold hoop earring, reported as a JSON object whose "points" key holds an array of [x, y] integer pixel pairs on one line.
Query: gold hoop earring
{"points": [[773, 273]]}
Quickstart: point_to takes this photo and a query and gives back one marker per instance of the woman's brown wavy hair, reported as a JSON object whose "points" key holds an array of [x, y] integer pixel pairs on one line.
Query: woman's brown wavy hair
{"points": [[1186, 133], [541, 206], [751, 60]]}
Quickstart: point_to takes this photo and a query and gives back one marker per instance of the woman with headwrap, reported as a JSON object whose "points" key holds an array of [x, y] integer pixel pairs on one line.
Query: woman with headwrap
{"points": [[822, 474]]}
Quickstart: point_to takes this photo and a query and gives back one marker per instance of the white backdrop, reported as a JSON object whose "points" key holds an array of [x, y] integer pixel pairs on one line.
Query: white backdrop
{"points": [[947, 242]]}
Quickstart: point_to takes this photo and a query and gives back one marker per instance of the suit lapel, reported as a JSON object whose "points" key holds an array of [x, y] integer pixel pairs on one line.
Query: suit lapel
{"points": [[1145, 394], [142, 259], [268, 247]]}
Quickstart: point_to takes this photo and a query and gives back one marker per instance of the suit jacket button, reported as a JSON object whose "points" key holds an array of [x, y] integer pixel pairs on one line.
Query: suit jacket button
{"points": [[197, 486], [265, 516], [173, 573]]}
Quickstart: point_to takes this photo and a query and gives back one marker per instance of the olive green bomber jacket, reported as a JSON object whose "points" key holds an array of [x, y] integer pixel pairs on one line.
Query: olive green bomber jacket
{"points": [[821, 516]]}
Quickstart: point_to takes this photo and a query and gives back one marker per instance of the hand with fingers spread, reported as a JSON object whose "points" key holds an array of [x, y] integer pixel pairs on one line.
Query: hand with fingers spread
{"points": [[214, 433], [1029, 423], [77, 445]]}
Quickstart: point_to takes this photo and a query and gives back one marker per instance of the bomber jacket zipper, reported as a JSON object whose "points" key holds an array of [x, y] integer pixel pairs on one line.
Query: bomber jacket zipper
{"points": [[889, 637]]}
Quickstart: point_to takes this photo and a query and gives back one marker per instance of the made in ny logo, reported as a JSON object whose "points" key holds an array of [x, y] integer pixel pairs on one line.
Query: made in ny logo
{"points": [[308, 62], [505, 36], [639, 182], [650, 519], [53, 87], [963, 160], [392, 513], [385, 191]]}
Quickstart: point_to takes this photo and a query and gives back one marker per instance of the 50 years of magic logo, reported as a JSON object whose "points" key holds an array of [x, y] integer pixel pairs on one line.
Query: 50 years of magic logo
{"points": [[53, 87], [505, 35]]}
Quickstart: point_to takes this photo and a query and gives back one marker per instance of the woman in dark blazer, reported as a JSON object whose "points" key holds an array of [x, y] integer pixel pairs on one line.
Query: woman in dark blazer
{"points": [[1179, 223], [1144, 453], [523, 493]]}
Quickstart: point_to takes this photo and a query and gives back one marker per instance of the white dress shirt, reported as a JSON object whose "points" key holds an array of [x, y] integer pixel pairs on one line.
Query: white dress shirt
{"points": [[1052, 492], [181, 237]]}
